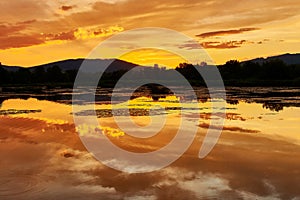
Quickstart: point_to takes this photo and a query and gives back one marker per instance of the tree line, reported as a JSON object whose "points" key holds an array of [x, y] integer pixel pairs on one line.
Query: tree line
{"points": [[38, 75], [233, 73], [274, 69]]}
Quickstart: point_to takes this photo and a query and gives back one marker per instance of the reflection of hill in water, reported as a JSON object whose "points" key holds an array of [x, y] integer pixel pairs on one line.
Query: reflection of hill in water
{"points": [[274, 99], [16, 112]]}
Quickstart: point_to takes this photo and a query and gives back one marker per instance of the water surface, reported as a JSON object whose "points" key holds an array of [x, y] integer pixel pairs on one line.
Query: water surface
{"points": [[256, 156]]}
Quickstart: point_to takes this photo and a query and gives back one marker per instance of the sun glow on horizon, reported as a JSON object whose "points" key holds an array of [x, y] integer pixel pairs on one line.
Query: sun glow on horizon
{"points": [[151, 57]]}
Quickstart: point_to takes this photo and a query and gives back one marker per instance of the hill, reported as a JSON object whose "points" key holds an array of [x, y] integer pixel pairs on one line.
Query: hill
{"points": [[74, 64], [288, 59], [282, 70]]}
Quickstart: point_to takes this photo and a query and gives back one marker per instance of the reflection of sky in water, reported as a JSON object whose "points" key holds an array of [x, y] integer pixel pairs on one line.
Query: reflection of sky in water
{"points": [[42, 158], [243, 115]]}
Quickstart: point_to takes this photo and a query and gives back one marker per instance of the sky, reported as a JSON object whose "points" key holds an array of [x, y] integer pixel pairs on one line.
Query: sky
{"points": [[34, 32]]}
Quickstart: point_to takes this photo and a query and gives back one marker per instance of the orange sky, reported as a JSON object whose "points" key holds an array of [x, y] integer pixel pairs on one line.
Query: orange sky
{"points": [[33, 32]]}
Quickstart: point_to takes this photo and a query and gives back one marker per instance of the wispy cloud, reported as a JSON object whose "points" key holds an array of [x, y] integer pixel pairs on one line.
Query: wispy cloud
{"points": [[226, 32], [95, 32], [223, 45], [20, 41], [69, 35], [190, 45], [16, 35]]}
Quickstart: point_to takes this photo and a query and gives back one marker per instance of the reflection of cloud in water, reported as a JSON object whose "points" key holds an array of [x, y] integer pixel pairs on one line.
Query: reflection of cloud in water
{"points": [[45, 159], [140, 197], [90, 130], [197, 183], [228, 128], [54, 164], [41, 171]]}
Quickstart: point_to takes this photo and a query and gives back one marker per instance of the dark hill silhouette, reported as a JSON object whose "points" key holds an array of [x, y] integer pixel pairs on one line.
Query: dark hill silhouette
{"points": [[63, 72], [288, 59], [11, 68], [282, 70], [74, 64]]}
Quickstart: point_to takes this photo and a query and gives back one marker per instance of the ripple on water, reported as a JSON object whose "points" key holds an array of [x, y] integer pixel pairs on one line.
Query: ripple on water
{"points": [[14, 185]]}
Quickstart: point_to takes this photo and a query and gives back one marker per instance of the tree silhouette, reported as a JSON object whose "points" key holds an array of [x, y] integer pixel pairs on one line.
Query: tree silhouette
{"points": [[54, 74], [39, 75], [250, 70], [4, 78], [274, 70], [235, 73], [23, 76], [231, 70]]}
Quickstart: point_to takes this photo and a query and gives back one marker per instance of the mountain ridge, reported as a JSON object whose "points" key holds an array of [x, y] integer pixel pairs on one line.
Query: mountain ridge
{"points": [[74, 64], [117, 64], [287, 58]]}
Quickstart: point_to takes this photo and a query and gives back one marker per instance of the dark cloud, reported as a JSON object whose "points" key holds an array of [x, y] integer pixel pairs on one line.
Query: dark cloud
{"points": [[223, 45], [226, 32], [66, 8]]}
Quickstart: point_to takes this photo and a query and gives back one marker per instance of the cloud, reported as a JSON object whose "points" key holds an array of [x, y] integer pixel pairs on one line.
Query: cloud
{"points": [[191, 17], [132, 14], [17, 35], [191, 184], [206, 185], [141, 197], [14, 10], [66, 8], [60, 36], [263, 41], [213, 45], [83, 33], [95, 32], [190, 45], [223, 45], [228, 128], [19, 41], [8, 29], [226, 32], [26, 22]]}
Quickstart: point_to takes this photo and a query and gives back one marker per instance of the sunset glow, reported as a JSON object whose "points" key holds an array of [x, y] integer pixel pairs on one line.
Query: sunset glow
{"points": [[149, 100], [37, 32], [150, 57]]}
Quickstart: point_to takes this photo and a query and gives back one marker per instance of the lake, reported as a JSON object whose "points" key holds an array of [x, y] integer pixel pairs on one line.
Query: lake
{"points": [[256, 156]]}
